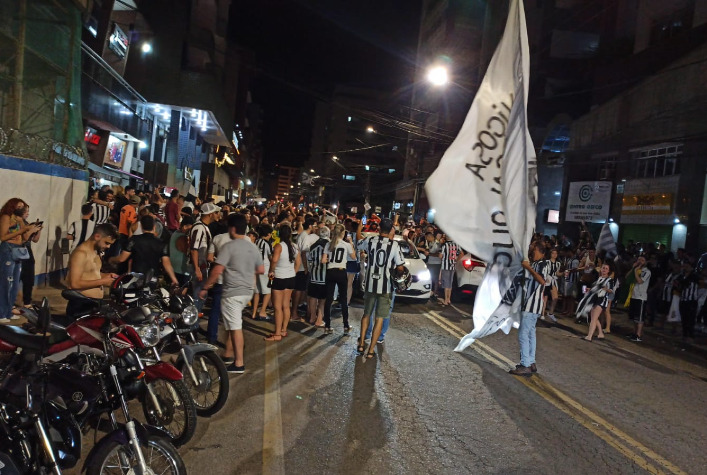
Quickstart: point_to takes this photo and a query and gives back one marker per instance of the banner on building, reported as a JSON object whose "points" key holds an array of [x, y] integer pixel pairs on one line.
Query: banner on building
{"points": [[647, 203], [484, 189], [588, 201]]}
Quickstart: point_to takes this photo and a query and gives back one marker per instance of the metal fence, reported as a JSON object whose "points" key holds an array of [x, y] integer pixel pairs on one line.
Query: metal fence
{"points": [[37, 147]]}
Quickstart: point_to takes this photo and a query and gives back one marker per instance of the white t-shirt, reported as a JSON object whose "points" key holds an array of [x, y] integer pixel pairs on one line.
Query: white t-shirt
{"points": [[304, 242], [338, 255], [640, 291]]}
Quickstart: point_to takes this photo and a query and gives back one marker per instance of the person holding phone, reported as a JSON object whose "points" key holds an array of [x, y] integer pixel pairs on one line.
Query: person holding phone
{"points": [[14, 232], [27, 273]]}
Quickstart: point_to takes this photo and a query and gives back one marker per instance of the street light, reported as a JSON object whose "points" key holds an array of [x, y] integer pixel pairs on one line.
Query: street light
{"points": [[311, 170], [147, 47], [370, 129], [438, 75]]}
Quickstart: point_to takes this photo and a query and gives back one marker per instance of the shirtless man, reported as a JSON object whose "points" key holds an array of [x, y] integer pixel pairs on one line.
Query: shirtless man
{"points": [[85, 266]]}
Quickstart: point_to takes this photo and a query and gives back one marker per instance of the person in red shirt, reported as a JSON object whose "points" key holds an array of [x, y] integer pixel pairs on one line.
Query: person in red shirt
{"points": [[172, 211]]}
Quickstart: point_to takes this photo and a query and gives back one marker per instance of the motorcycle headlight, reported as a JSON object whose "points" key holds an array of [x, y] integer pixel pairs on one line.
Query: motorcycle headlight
{"points": [[150, 335], [424, 275], [190, 315]]}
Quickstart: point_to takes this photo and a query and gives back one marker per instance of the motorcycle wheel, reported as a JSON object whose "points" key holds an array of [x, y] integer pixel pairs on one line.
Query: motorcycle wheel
{"points": [[210, 390], [116, 458], [178, 417]]}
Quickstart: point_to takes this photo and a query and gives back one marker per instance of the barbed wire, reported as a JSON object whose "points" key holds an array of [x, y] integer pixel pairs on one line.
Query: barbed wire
{"points": [[20, 144]]}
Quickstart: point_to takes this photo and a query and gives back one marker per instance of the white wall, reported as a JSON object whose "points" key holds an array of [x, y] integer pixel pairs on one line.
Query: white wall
{"points": [[54, 198]]}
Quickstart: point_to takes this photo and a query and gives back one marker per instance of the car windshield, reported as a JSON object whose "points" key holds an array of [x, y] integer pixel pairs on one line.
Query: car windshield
{"points": [[409, 252]]}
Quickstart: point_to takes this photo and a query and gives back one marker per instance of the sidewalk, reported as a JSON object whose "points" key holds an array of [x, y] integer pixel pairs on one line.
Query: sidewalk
{"points": [[663, 340]]}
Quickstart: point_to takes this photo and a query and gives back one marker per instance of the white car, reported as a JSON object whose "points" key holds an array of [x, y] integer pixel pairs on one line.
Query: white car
{"points": [[469, 274], [421, 286]]}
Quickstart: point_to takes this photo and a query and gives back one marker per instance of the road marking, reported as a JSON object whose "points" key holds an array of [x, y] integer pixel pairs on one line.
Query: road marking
{"points": [[622, 442], [462, 312], [273, 449]]}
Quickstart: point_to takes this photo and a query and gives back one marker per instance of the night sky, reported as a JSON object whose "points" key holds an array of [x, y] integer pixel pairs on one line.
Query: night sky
{"points": [[304, 48]]}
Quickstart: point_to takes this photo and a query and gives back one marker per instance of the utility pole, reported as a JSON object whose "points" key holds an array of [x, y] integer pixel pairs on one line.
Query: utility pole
{"points": [[20, 66]]}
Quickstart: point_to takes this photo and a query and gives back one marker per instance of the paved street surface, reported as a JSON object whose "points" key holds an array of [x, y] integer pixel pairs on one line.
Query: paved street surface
{"points": [[309, 405]]}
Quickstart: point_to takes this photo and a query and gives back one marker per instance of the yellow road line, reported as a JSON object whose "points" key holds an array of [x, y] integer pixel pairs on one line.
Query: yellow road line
{"points": [[587, 418], [273, 449]]}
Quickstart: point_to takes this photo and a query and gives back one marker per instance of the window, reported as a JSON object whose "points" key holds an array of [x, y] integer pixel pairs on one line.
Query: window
{"points": [[660, 161], [607, 166]]}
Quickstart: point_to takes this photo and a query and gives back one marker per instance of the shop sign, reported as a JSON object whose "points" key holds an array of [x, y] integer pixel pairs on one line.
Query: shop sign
{"points": [[588, 201], [118, 42], [649, 203], [115, 152]]}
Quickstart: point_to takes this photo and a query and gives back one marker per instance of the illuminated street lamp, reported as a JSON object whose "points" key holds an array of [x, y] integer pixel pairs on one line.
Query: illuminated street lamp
{"points": [[438, 75], [147, 47], [370, 129]]}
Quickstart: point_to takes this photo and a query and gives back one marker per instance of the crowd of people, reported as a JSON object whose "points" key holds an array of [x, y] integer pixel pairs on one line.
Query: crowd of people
{"points": [[657, 287], [288, 262]]}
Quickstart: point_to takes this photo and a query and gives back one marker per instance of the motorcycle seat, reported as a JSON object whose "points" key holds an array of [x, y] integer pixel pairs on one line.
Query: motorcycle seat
{"points": [[22, 338], [70, 294]]}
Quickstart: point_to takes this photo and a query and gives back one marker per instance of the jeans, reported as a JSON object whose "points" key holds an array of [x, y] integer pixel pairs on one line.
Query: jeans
{"points": [[10, 282], [336, 278], [212, 329], [386, 321], [526, 338], [196, 288]]}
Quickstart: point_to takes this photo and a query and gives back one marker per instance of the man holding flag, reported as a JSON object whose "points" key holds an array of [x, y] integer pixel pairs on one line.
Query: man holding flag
{"points": [[530, 281], [488, 177]]}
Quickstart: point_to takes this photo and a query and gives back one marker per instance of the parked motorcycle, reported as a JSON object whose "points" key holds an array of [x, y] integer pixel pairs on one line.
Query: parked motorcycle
{"points": [[44, 405], [158, 386], [177, 317]]}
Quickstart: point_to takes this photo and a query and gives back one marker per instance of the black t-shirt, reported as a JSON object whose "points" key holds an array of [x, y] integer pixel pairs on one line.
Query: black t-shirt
{"points": [[147, 251]]}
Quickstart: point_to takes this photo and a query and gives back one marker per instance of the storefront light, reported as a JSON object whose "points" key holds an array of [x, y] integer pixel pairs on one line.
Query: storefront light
{"points": [[142, 145], [677, 221]]}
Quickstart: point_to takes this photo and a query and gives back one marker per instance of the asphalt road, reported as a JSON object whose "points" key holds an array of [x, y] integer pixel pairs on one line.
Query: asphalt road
{"points": [[308, 404]]}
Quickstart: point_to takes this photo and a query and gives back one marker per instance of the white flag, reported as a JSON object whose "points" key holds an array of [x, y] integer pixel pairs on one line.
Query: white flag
{"points": [[606, 242], [484, 189]]}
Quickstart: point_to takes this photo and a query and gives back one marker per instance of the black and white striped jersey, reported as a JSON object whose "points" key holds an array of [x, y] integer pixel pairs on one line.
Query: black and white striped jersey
{"points": [[101, 213], [689, 285], [265, 249], [317, 269], [382, 254], [531, 288], [571, 263], [604, 298], [666, 294], [450, 252], [552, 269]]}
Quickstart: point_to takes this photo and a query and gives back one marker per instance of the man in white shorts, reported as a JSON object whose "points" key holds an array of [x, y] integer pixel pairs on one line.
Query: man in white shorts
{"points": [[239, 261]]}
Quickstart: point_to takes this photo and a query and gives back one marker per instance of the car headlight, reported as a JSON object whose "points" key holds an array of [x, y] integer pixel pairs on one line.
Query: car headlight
{"points": [[150, 335], [424, 275], [190, 315]]}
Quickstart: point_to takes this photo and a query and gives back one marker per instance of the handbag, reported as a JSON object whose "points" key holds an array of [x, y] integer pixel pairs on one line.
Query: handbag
{"points": [[20, 253]]}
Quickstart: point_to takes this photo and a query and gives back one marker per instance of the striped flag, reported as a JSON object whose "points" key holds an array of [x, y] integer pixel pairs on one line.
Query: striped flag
{"points": [[606, 242]]}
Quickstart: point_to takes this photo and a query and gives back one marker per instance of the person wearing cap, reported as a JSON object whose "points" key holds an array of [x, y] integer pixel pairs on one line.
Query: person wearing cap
{"points": [[200, 240]]}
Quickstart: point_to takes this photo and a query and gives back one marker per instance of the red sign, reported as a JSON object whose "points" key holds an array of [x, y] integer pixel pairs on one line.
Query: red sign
{"points": [[91, 136]]}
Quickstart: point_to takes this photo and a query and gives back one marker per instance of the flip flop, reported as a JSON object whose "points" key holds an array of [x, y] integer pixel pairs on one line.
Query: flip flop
{"points": [[273, 337], [586, 339]]}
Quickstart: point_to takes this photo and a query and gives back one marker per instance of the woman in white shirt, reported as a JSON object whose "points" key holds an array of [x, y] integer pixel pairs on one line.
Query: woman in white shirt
{"points": [[336, 253], [284, 261]]}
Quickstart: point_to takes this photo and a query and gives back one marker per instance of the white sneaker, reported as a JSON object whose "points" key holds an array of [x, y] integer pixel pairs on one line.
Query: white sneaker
{"points": [[553, 318], [4, 320]]}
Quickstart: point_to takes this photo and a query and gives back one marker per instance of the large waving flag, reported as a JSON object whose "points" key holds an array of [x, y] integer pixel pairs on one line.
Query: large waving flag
{"points": [[606, 242], [485, 187]]}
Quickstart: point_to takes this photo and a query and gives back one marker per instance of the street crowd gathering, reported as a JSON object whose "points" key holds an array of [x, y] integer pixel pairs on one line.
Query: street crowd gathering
{"points": [[272, 261]]}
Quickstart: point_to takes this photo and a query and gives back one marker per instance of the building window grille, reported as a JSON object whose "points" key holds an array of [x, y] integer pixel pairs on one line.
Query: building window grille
{"points": [[657, 162]]}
